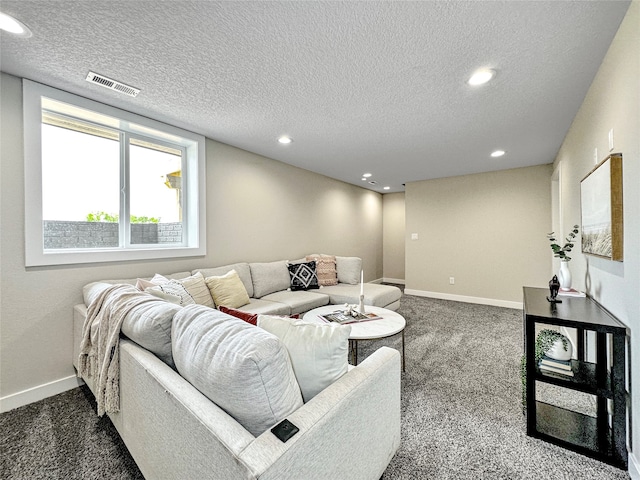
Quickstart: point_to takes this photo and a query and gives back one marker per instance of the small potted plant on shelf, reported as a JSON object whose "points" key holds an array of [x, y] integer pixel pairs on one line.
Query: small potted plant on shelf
{"points": [[548, 343]]}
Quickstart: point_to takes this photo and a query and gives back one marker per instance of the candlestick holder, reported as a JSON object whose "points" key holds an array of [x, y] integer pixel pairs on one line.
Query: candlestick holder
{"points": [[361, 306]]}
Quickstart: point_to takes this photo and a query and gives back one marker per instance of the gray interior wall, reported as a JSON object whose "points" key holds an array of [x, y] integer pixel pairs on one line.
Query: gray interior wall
{"points": [[258, 210], [613, 102], [487, 231], [393, 226]]}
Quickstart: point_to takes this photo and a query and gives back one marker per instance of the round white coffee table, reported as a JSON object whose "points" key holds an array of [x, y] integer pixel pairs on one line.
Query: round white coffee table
{"points": [[390, 324]]}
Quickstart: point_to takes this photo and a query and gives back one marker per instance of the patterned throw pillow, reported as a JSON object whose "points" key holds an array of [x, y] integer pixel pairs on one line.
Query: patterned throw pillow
{"points": [[303, 276], [325, 269], [198, 289], [174, 287]]}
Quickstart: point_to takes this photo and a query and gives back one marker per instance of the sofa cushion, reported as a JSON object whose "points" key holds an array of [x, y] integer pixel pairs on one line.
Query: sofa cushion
{"points": [[269, 277], [244, 370], [242, 269], [92, 290], [318, 352], [348, 269], [260, 305], [149, 325], [325, 269], [300, 301], [228, 290], [303, 276]]}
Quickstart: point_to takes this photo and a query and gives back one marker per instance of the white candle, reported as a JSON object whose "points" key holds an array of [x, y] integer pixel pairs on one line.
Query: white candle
{"points": [[361, 282]]}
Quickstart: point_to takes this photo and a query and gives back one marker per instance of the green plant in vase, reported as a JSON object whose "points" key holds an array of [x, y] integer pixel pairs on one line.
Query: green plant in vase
{"points": [[561, 252]]}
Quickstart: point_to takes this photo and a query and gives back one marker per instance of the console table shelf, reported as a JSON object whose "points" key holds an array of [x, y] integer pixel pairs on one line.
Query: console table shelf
{"points": [[572, 430], [603, 436], [584, 379]]}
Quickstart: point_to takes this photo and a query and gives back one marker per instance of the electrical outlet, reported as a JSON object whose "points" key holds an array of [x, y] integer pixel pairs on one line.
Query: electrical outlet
{"points": [[414, 236], [452, 281]]}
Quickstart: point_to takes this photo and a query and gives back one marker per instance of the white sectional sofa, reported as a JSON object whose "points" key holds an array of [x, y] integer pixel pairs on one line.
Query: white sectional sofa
{"points": [[268, 287], [173, 429]]}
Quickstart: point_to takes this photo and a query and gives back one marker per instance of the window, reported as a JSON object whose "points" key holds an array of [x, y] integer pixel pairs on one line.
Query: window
{"points": [[103, 184]]}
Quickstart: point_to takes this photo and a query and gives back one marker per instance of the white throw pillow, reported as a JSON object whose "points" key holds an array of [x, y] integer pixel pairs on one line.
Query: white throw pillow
{"points": [[159, 279], [318, 352], [228, 290]]}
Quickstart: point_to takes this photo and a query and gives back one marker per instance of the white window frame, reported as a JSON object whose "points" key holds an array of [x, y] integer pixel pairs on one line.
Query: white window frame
{"points": [[194, 177]]}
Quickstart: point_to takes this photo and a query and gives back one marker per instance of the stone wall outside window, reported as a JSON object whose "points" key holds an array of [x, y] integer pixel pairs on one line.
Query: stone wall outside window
{"points": [[68, 234]]}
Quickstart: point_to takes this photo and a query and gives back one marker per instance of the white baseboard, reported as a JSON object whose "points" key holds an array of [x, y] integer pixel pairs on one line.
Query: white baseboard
{"points": [[40, 392], [634, 467], [388, 280], [465, 299]]}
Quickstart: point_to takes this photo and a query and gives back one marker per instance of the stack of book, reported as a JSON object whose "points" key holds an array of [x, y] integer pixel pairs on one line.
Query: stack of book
{"points": [[559, 367]]}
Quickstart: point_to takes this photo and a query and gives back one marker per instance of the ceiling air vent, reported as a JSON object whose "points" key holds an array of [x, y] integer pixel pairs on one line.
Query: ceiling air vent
{"points": [[112, 84]]}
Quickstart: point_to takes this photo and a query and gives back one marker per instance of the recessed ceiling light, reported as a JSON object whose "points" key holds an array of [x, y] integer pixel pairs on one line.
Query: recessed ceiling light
{"points": [[387, 188], [363, 179], [481, 76], [16, 27], [498, 153], [285, 140], [366, 175]]}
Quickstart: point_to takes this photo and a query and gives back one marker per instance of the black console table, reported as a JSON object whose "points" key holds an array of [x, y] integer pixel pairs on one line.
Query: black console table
{"points": [[602, 437]]}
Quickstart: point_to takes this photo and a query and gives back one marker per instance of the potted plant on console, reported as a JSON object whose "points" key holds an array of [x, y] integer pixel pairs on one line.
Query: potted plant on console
{"points": [[561, 252]]}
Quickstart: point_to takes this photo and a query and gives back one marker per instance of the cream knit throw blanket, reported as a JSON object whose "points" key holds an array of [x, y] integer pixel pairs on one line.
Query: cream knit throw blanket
{"points": [[100, 360]]}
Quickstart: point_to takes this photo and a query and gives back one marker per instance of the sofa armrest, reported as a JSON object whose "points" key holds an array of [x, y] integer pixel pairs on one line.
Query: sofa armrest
{"points": [[349, 430]]}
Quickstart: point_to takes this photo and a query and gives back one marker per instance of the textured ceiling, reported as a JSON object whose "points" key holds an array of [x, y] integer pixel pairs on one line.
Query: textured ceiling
{"points": [[374, 87]]}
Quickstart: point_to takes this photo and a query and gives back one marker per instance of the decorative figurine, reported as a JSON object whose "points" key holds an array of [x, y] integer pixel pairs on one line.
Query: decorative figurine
{"points": [[350, 310], [554, 286]]}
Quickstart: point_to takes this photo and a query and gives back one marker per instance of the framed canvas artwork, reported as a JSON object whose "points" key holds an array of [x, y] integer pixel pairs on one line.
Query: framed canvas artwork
{"points": [[601, 204]]}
